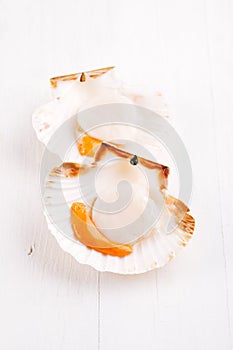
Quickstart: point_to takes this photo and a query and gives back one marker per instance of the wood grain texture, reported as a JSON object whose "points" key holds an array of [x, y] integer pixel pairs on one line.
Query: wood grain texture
{"points": [[48, 301]]}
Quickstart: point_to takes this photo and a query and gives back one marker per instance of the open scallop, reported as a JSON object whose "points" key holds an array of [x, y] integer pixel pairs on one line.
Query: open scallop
{"points": [[74, 93], [142, 215]]}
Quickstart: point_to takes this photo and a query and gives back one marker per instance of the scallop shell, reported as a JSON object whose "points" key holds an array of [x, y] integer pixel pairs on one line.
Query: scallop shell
{"points": [[152, 251], [71, 95]]}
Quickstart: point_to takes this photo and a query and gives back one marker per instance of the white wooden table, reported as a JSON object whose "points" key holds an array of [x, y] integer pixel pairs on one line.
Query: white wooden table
{"points": [[48, 300]]}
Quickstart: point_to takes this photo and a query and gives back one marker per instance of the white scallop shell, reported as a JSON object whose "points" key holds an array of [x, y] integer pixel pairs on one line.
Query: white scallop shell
{"points": [[72, 96], [152, 251]]}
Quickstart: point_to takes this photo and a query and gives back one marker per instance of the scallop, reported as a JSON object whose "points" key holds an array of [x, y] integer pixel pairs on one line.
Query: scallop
{"points": [[127, 233], [77, 92]]}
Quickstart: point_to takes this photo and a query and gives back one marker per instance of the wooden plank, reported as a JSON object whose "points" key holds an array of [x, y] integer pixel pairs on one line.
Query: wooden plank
{"points": [[48, 300], [128, 311], [193, 291], [219, 41]]}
